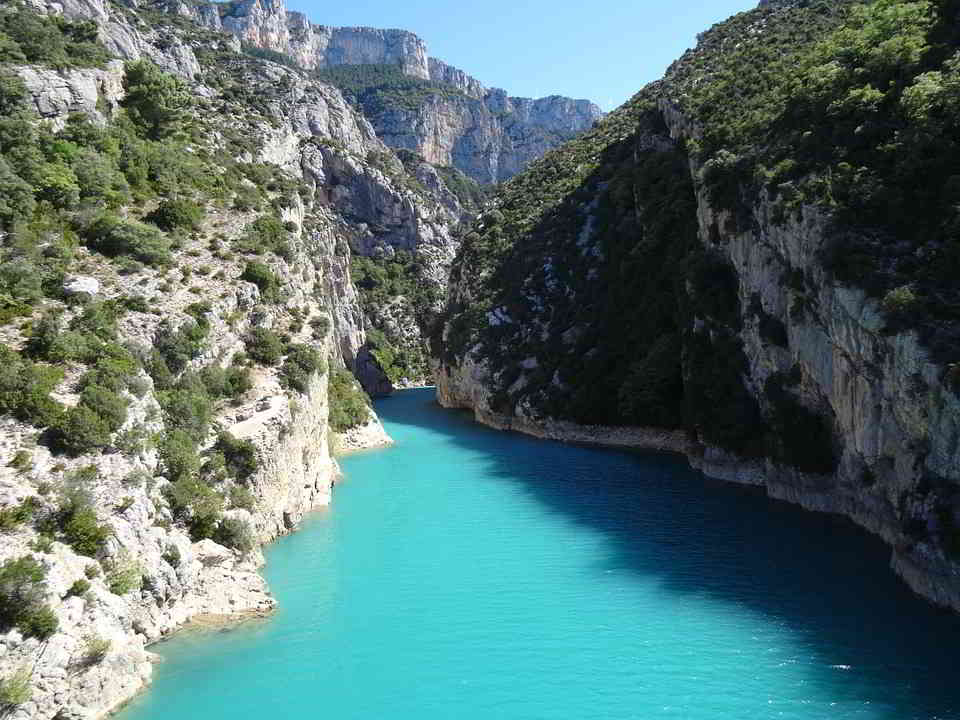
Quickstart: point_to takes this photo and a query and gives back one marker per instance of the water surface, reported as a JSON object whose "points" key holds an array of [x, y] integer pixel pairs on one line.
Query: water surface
{"points": [[474, 575]]}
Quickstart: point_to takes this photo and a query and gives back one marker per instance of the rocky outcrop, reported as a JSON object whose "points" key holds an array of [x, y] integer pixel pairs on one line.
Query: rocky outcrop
{"points": [[55, 94], [366, 436], [489, 136], [269, 25], [444, 74]]}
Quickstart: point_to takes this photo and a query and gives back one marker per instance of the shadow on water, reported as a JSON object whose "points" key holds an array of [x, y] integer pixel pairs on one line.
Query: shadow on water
{"points": [[826, 580]]}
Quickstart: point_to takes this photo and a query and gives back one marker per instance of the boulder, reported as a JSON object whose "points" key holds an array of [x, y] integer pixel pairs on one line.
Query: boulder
{"points": [[78, 285]]}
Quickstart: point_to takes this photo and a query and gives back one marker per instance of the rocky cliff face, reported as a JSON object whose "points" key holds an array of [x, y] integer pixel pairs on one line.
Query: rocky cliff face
{"points": [[647, 302], [292, 152], [490, 137], [483, 132], [269, 25]]}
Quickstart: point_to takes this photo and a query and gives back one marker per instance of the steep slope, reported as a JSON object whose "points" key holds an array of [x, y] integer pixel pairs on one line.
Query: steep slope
{"points": [[177, 227], [440, 112], [452, 120], [752, 262]]}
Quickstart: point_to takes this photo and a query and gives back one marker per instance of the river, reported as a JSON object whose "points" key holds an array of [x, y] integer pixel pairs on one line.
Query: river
{"points": [[467, 574]]}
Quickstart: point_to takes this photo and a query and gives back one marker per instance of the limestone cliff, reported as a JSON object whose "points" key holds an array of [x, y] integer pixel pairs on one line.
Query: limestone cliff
{"points": [[230, 318], [683, 278], [481, 131], [486, 134], [269, 25]]}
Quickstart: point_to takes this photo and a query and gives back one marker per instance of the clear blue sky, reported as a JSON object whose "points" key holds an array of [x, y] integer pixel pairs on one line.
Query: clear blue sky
{"points": [[603, 50]]}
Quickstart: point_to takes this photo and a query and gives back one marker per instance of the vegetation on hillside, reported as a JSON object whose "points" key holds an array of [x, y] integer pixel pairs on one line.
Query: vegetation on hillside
{"points": [[375, 89], [128, 198], [384, 282], [853, 107], [29, 38], [589, 260]]}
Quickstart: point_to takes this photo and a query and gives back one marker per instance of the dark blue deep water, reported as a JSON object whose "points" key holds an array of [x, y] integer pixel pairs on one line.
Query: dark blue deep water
{"points": [[474, 575]]}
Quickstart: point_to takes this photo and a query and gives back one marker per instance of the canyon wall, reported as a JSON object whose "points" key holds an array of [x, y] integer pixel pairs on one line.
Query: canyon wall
{"points": [[662, 296]]}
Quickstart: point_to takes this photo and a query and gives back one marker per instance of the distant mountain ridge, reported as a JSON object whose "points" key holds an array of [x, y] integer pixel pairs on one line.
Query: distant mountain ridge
{"points": [[484, 132]]}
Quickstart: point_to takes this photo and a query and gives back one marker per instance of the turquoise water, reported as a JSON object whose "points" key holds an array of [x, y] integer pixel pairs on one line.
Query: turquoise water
{"points": [[473, 575]]}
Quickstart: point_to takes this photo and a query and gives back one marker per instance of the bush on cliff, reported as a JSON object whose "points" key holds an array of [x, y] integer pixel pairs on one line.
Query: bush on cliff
{"points": [[176, 214], [30, 38], [349, 404], [301, 363], [156, 101], [22, 591], [15, 688], [264, 346]]}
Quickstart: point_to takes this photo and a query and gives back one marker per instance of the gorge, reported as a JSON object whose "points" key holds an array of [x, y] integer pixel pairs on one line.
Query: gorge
{"points": [[223, 228]]}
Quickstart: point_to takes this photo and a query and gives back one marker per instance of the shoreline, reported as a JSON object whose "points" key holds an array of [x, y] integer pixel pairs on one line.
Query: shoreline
{"points": [[206, 622], [918, 567]]}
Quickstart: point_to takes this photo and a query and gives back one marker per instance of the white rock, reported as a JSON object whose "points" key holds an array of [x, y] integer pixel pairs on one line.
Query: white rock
{"points": [[82, 285]]}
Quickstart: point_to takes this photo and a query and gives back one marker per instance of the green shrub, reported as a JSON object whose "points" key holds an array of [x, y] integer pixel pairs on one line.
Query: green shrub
{"points": [[123, 574], [13, 92], [320, 325], [30, 38], [106, 403], [174, 349], [16, 194], [177, 214], [133, 440], [266, 234], [240, 456], [349, 405], [20, 279], [188, 408], [135, 303], [22, 591], [263, 277], [178, 454], [39, 622], [95, 648], [15, 688], [25, 389], [241, 497], [90, 424], [77, 479], [113, 236], [247, 198], [99, 179], [231, 382], [15, 515], [156, 101], [22, 461], [196, 504], [43, 543], [264, 346], [82, 530], [234, 533], [79, 588], [301, 362]]}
